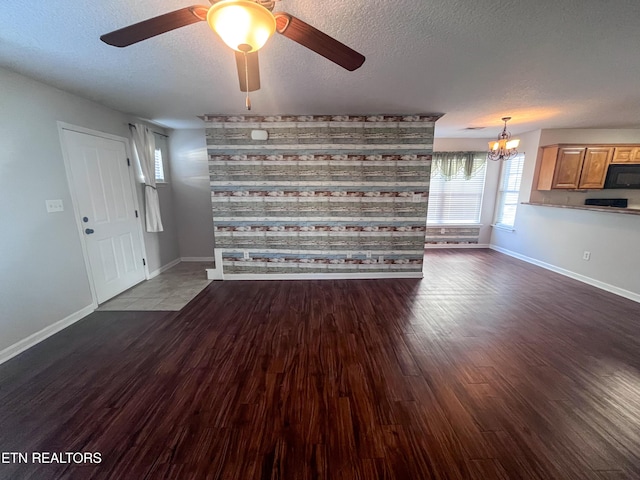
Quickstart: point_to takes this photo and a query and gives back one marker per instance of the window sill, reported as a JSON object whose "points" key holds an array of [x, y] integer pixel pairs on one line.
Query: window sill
{"points": [[453, 225], [505, 228]]}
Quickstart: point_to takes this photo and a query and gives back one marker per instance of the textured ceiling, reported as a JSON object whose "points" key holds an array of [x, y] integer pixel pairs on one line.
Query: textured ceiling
{"points": [[547, 63]]}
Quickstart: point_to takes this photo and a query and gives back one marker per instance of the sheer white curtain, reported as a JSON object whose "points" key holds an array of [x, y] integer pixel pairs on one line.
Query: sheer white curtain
{"points": [[144, 146]]}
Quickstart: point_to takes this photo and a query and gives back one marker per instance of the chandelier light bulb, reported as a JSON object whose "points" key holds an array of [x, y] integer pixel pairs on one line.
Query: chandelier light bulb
{"points": [[504, 148]]}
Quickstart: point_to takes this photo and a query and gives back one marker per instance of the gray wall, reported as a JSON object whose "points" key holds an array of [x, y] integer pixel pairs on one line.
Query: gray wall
{"points": [[558, 237], [192, 194], [42, 274]]}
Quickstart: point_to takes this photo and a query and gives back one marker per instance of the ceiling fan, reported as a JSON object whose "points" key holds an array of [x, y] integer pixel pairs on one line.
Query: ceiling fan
{"points": [[245, 26]]}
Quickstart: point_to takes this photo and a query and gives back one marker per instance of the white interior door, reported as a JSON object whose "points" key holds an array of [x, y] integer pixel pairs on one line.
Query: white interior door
{"points": [[104, 192]]}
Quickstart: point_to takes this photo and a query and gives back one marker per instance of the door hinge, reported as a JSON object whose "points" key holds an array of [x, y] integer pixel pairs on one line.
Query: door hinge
{"points": [[136, 213], [128, 162], [144, 262]]}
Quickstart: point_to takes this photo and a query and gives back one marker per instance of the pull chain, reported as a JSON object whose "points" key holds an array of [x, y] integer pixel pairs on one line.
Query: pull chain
{"points": [[246, 79]]}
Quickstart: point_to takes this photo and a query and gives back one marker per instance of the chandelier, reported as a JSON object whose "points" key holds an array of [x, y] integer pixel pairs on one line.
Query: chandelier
{"points": [[504, 148]]}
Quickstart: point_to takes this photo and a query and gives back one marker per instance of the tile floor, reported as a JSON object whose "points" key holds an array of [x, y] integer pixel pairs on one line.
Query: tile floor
{"points": [[171, 290]]}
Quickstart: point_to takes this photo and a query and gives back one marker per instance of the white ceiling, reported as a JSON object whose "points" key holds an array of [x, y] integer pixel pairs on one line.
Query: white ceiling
{"points": [[547, 63]]}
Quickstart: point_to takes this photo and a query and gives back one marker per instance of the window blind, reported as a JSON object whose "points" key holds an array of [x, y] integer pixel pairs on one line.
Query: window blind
{"points": [[457, 200], [159, 167], [509, 191]]}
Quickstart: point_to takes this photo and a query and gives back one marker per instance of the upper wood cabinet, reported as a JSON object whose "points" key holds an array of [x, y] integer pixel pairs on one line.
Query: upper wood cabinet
{"points": [[626, 154], [594, 168], [574, 167]]}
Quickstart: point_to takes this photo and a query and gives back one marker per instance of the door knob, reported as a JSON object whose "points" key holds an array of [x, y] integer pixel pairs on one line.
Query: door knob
{"points": [[88, 231]]}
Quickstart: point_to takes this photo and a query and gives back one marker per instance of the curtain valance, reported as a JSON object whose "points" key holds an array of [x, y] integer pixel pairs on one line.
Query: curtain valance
{"points": [[450, 164]]}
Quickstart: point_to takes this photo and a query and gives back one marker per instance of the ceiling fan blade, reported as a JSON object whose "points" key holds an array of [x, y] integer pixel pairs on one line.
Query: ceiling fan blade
{"points": [[252, 71], [155, 26], [321, 43]]}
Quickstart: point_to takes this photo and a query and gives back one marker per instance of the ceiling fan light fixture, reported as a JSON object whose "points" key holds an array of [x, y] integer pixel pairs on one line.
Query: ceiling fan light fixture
{"points": [[504, 148], [243, 25]]}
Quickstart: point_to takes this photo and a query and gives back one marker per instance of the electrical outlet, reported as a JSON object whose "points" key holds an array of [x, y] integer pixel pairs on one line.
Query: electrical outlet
{"points": [[368, 253], [349, 256], [54, 206], [417, 198], [381, 259], [586, 255], [442, 231], [245, 255]]}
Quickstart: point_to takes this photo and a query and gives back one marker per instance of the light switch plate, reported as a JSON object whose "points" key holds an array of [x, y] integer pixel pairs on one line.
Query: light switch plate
{"points": [[54, 206]]}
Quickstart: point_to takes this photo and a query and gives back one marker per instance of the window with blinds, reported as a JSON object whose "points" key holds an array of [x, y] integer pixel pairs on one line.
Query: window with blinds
{"points": [[456, 198], [159, 167], [509, 191]]}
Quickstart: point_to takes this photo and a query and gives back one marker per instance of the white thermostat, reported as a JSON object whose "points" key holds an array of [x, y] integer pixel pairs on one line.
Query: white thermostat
{"points": [[259, 135]]}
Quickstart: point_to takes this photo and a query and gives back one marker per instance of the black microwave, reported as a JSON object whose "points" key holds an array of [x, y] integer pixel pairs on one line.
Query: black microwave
{"points": [[623, 176]]}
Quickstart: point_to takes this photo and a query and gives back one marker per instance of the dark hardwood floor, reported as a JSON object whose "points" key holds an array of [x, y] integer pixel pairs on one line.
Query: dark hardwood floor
{"points": [[488, 368]]}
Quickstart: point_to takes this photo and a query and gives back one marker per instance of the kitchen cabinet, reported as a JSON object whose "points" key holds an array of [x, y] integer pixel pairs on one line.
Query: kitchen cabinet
{"points": [[626, 154], [594, 167], [574, 166]]}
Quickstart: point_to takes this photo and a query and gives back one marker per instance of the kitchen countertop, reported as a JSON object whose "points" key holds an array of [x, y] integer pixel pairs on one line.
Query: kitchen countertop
{"points": [[628, 211]]}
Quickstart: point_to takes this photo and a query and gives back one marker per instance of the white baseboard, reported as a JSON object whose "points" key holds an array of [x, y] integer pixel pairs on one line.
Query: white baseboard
{"points": [[163, 268], [216, 273], [22, 345], [322, 276], [568, 273], [197, 259], [456, 245]]}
